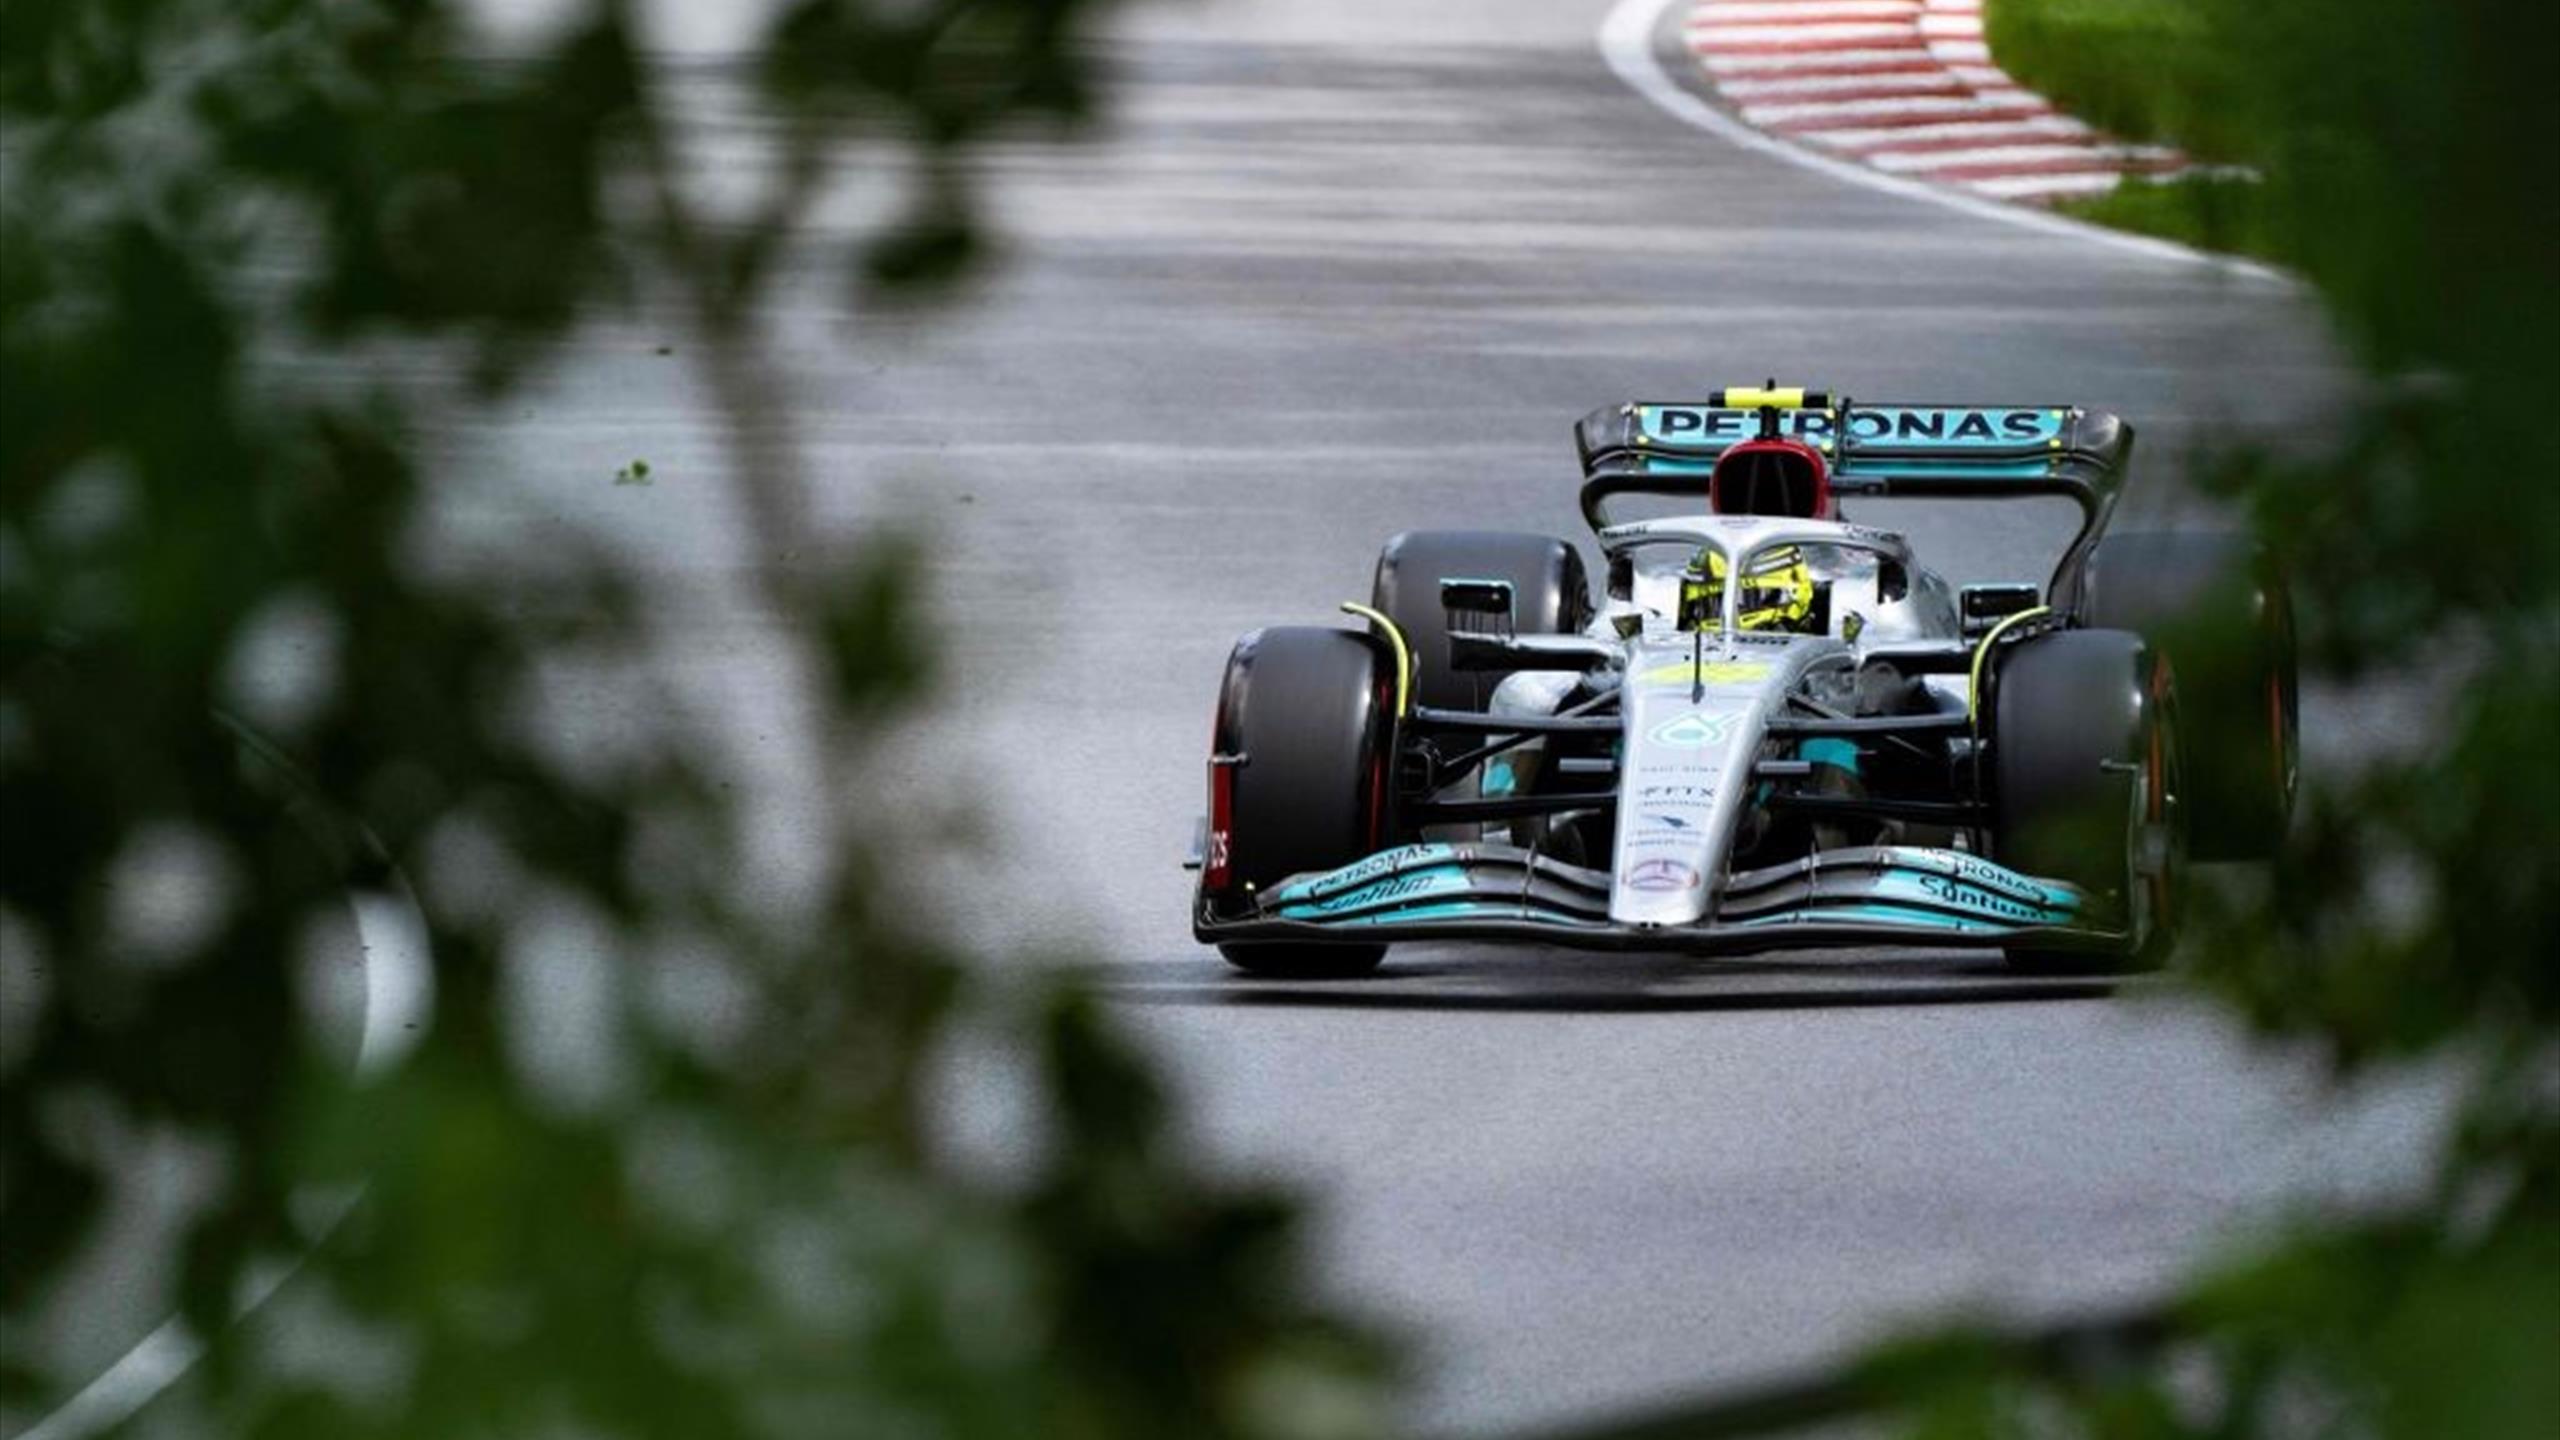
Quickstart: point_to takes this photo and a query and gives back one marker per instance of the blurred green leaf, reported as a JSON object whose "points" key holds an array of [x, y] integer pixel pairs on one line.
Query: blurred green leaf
{"points": [[663, 1164]]}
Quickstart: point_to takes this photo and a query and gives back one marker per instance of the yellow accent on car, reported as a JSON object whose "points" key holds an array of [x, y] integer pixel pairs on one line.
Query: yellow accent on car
{"points": [[1982, 652], [1712, 672], [1754, 397], [1395, 638]]}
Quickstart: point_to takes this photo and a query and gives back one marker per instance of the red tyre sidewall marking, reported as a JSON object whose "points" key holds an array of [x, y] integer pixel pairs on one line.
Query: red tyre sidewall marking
{"points": [[1215, 871], [1216, 860], [1385, 700]]}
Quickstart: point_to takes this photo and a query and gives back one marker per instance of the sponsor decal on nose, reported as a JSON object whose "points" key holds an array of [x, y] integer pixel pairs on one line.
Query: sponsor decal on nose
{"points": [[1662, 875], [1694, 731]]}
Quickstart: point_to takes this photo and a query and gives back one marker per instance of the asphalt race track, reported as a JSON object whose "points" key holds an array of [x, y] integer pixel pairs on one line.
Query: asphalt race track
{"points": [[1339, 269]]}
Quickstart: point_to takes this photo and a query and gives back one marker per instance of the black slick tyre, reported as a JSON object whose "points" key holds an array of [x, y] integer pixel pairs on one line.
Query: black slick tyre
{"points": [[1299, 780], [2087, 785], [2215, 606], [1551, 595]]}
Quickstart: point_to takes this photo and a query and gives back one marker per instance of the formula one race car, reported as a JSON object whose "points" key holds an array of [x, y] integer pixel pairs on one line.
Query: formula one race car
{"points": [[1778, 729]]}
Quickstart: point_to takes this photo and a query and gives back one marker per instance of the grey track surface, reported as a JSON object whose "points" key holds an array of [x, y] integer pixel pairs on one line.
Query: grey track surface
{"points": [[1358, 273], [1337, 270]]}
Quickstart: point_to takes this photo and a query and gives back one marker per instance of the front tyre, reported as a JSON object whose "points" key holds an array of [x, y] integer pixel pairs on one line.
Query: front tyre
{"points": [[2088, 785], [1299, 780], [1288, 960]]}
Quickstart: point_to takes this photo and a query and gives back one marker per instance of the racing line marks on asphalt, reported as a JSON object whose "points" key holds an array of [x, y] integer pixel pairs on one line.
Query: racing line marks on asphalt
{"points": [[1626, 42]]}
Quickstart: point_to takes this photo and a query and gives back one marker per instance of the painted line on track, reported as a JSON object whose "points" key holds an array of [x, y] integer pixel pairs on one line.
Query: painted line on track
{"points": [[399, 993], [1626, 41], [1824, 79], [1887, 60]]}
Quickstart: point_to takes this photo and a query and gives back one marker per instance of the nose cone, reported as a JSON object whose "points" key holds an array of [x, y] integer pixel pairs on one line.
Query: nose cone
{"points": [[1693, 726]]}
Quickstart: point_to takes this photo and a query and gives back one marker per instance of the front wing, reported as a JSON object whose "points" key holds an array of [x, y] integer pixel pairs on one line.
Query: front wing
{"points": [[1868, 895]]}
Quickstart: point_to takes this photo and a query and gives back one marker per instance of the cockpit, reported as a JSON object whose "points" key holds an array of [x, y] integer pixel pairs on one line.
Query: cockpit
{"points": [[1803, 587]]}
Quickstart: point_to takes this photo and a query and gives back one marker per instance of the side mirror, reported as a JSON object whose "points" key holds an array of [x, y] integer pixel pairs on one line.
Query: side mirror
{"points": [[1984, 606], [1478, 607]]}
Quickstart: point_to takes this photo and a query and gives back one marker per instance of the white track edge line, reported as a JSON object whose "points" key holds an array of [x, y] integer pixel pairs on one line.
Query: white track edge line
{"points": [[1626, 38]]}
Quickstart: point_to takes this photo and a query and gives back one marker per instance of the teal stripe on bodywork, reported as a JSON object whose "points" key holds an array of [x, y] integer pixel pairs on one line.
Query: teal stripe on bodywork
{"points": [[1915, 469], [1428, 881], [1884, 914], [1461, 910], [1973, 870], [1362, 871], [1931, 469], [1840, 754], [1926, 888], [1952, 429]]}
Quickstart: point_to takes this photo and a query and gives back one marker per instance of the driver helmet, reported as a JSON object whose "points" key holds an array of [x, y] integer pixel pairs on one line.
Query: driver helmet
{"points": [[1777, 592]]}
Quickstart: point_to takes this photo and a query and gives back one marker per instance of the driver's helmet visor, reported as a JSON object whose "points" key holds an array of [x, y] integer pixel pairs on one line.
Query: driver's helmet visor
{"points": [[1777, 591]]}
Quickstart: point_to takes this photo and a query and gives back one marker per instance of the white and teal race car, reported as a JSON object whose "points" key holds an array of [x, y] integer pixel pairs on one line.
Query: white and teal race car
{"points": [[1776, 728]]}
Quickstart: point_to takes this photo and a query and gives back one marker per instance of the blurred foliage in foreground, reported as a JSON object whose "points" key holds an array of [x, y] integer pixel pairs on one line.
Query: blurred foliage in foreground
{"points": [[662, 1164], [2154, 71], [2364, 119], [2416, 913], [706, 1201]]}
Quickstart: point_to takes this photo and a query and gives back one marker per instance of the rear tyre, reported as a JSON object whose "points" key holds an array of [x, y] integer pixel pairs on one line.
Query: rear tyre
{"points": [[2088, 785], [1304, 739], [2215, 606], [1550, 596]]}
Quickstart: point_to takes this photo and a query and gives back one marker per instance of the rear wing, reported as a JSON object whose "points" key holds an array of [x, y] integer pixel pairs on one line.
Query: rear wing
{"points": [[1953, 451]]}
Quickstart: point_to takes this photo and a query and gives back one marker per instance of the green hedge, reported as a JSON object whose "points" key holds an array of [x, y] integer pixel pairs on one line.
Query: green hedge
{"points": [[2142, 69], [2158, 71]]}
